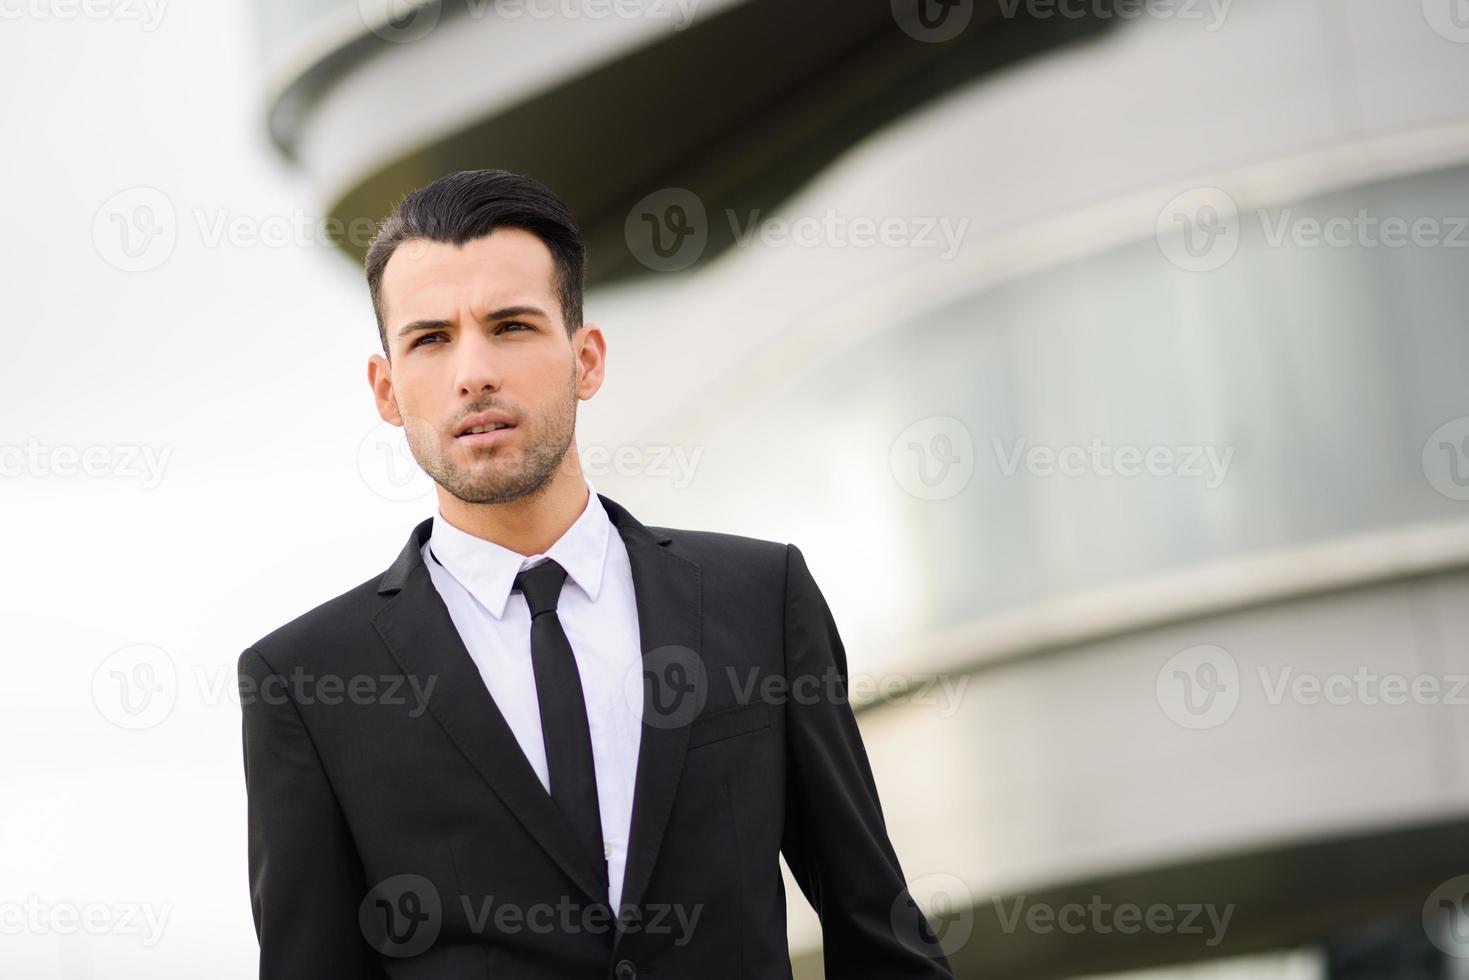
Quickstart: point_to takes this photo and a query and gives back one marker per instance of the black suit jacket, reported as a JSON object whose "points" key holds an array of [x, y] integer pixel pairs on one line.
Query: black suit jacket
{"points": [[396, 828]]}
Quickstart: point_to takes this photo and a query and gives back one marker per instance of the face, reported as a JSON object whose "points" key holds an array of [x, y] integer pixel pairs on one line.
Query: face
{"points": [[477, 339]]}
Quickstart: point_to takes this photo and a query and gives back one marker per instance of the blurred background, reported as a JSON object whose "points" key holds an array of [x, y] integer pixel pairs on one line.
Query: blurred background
{"points": [[1107, 359]]}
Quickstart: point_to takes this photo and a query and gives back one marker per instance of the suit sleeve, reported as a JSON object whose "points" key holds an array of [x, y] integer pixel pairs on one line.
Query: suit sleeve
{"points": [[835, 840], [306, 880]]}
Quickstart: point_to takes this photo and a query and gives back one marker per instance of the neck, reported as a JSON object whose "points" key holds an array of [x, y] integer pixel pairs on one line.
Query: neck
{"points": [[531, 524]]}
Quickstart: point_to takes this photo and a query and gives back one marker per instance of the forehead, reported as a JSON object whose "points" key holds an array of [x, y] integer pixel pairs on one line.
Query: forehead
{"points": [[426, 279]]}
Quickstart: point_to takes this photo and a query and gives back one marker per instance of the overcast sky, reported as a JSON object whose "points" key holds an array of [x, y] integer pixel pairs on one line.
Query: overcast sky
{"points": [[151, 427]]}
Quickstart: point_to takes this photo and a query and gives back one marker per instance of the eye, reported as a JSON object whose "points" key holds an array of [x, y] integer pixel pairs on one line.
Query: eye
{"points": [[420, 340], [514, 323]]}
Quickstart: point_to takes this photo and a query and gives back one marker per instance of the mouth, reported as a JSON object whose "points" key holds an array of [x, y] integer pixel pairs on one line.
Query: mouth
{"points": [[487, 429], [492, 437]]}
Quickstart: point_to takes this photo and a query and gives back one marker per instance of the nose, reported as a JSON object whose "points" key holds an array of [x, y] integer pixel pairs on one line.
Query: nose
{"points": [[476, 369]]}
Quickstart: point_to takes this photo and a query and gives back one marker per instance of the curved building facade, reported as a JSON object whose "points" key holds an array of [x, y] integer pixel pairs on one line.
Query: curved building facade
{"points": [[1108, 362]]}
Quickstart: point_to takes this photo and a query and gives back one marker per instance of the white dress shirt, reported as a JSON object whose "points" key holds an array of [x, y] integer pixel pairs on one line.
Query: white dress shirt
{"points": [[598, 613]]}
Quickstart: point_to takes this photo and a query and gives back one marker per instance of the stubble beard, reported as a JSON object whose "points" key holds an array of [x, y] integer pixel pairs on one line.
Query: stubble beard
{"points": [[544, 445]]}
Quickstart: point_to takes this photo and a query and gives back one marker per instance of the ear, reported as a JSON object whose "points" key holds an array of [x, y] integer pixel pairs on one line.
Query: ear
{"points": [[590, 348], [380, 378]]}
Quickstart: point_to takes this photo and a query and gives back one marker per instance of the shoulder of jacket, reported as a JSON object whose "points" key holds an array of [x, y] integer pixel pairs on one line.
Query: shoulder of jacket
{"points": [[722, 546], [317, 632]]}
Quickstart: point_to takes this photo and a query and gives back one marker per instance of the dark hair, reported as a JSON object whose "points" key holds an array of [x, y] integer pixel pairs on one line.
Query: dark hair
{"points": [[470, 204]]}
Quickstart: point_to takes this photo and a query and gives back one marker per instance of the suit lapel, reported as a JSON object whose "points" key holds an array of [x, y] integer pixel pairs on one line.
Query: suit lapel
{"points": [[416, 626], [419, 633]]}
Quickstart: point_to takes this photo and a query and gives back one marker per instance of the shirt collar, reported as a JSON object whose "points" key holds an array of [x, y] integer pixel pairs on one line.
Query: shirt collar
{"points": [[487, 570]]}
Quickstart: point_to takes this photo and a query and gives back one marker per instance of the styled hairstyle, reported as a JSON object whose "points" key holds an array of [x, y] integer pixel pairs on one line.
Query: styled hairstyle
{"points": [[469, 204]]}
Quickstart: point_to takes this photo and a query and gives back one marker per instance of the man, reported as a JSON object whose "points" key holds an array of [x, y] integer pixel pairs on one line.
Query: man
{"points": [[544, 711]]}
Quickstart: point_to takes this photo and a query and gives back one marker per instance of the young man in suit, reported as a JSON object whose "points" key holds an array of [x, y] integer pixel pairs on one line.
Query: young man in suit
{"points": [[550, 741]]}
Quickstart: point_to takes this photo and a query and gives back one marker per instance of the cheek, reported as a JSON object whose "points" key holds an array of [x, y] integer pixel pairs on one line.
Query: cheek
{"points": [[544, 381], [420, 397]]}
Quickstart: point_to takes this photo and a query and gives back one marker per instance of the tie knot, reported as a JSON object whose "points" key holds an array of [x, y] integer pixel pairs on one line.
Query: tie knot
{"points": [[541, 585]]}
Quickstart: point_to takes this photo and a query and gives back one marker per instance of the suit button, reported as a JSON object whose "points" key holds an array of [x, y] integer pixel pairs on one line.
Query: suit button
{"points": [[625, 970]]}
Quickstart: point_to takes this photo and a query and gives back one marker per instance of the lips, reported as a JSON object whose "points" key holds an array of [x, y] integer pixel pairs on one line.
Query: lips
{"points": [[489, 438], [494, 421]]}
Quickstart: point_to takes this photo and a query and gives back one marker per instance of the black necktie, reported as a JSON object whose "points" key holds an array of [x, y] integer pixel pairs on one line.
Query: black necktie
{"points": [[564, 725]]}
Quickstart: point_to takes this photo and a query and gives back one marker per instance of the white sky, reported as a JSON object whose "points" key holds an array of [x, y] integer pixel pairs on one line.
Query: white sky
{"points": [[203, 361]]}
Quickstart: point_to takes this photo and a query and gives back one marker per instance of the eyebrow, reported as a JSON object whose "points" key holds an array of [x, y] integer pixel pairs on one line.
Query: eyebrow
{"points": [[504, 313]]}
